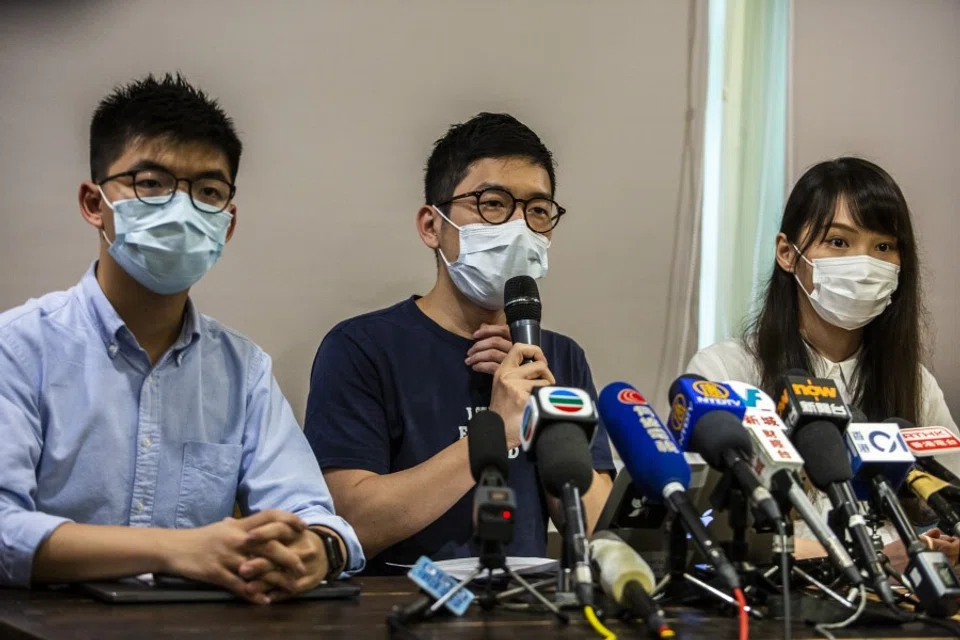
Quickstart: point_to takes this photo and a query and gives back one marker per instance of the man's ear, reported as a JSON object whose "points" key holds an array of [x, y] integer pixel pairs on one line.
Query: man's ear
{"points": [[92, 205], [428, 226], [232, 209], [786, 254]]}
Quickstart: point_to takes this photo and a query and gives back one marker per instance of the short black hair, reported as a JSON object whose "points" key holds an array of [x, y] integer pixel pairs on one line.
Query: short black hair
{"points": [[486, 135], [167, 108]]}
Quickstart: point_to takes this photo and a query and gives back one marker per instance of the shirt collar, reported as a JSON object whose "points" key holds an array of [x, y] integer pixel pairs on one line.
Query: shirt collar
{"points": [[824, 368], [109, 324]]}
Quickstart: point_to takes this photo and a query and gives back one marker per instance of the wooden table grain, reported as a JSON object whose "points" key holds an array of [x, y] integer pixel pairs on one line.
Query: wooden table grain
{"points": [[68, 614]]}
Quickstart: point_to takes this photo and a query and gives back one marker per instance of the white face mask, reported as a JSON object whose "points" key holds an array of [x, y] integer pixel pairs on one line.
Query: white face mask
{"points": [[491, 254], [850, 292]]}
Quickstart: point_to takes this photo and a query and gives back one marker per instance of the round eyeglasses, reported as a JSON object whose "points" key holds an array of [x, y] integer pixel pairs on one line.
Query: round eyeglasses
{"points": [[496, 206], [158, 186]]}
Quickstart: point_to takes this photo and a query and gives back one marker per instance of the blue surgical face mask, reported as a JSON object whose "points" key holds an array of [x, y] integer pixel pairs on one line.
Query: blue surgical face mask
{"points": [[491, 254], [166, 247]]}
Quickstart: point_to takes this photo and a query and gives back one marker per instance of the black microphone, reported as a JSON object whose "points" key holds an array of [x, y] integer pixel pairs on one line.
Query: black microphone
{"points": [[494, 503], [828, 467], [521, 302], [726, 446], [566, 470], [881, 460], [803, 399], [940, 496], [557, 427], [706, 418]]}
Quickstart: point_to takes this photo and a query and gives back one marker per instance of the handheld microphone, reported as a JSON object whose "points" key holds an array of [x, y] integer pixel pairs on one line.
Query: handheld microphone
{"points": [[880, 459], [803, 399], [557, 426], [494, 503], [707, 418], [521, 303], [657, 465], [778, 462], [828, 467], [626, 578]]}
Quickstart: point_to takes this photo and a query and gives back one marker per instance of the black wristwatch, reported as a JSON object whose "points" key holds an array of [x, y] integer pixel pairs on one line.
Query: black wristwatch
{"points": [[335, 559]]}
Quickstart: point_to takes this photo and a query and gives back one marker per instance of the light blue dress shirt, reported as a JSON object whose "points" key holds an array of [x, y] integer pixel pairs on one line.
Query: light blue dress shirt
{"points": [[90, 432]]}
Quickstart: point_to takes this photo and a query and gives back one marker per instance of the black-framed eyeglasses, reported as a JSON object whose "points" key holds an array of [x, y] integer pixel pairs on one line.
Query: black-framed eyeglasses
{"points": [[496, 206], [158, 186]]}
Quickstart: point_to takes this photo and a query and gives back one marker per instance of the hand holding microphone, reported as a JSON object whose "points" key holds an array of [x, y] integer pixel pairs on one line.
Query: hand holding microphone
{"points": [[513, 383], [521, 301]]}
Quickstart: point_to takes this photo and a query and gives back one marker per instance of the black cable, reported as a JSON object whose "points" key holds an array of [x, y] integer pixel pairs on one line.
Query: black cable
{"points": [[398, 627], [937, 622], [785, 579], [401, 615]]}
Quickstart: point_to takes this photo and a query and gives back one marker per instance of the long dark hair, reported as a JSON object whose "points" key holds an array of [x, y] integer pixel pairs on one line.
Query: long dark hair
{"points": [[888, 380]]}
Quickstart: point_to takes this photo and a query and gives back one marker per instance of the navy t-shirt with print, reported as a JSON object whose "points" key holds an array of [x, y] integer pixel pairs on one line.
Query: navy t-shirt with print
{"points": [[390, 390]]}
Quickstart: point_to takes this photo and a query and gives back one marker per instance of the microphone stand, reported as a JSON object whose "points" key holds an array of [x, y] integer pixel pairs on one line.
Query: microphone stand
{"points": [[575, 578], [678, 586], [491, 536], [492, 557], [780, 493]]}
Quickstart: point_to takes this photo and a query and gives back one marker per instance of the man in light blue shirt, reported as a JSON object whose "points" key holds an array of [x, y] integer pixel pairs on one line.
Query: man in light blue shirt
{"points": [[130, 423]]}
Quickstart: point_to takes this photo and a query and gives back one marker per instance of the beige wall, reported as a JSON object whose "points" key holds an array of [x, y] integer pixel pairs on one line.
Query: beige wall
{"points": [[881, 79], [338, 103]]}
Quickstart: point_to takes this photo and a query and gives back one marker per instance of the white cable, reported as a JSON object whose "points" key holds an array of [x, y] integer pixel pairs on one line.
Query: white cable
{"points": [[824, 628]]}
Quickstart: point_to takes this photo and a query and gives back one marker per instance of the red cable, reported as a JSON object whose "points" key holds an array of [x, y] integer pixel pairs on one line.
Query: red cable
{"points": [[744, 618]]}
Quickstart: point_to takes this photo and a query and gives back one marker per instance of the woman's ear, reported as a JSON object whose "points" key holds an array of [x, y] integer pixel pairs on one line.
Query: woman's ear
{"points": [[786, 254]]}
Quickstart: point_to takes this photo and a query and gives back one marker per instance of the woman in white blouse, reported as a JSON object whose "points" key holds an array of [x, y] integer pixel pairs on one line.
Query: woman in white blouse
{"points": [[843, 301]]}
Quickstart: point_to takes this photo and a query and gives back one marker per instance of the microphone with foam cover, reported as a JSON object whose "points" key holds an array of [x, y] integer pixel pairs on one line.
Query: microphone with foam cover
{"points": [[521, 303], [803, 399], [487, 445], [563, 455], [939, 495], [707, 418], [828, 467], [626, 578], [494, 504], [656, 465], [777, 462]]}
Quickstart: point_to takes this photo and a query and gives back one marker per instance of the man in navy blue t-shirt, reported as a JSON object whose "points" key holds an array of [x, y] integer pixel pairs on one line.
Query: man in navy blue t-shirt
{"points": [[392, 391]]}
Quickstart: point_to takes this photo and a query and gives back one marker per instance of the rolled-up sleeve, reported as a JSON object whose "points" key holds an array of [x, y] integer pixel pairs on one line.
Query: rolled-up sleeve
{"points": [[22, 528], [278, 468]]}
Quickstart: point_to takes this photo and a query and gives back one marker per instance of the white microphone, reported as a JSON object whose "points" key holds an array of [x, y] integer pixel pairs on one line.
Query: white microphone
{"points": [[777, 462], [626, 578]]}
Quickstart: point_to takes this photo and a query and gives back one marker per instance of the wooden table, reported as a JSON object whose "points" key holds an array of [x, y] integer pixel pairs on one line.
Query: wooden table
{"points": [[55, 615]]}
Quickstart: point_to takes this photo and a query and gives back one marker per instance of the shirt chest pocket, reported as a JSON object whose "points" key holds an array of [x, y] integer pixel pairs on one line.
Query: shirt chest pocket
{"points": [[208, 483]]}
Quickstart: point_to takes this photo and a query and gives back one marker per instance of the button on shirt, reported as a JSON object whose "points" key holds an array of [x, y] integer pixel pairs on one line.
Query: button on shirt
{"points": [[92, 433]]}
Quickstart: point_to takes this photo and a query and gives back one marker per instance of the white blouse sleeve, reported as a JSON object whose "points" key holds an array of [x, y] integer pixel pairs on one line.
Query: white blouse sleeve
{"points": [[724, 362]]}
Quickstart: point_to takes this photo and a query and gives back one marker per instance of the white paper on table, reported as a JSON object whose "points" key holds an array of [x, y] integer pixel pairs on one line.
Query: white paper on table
{"points": [[460, 568]]}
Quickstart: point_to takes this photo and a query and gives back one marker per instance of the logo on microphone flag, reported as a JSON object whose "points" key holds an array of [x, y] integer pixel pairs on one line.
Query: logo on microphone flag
{"points": [[630, 396], [565, 401]]}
